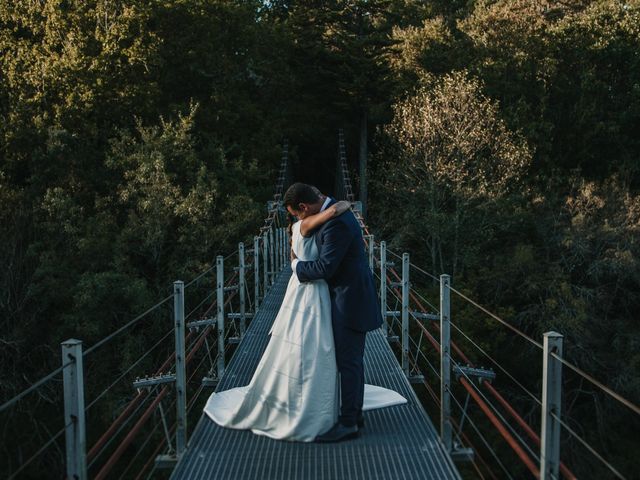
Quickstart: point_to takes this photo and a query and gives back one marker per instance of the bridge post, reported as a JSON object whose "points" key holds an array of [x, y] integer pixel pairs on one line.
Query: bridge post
{"points": [[220, 305], [256, 273], [285, 247], [551, 406], [281, 249], [241, 288], [405, 313], [272, 264], [181, 374], [265, 263], [74, 419], [276, 245], [383, 287], [445, 362], [370, 244], [281, 252]]}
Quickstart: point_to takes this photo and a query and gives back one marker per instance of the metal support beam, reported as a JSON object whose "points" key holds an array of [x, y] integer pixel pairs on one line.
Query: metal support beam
{"points": [[148, 382], [281, 251], [370, 246], [551, 407], [205, 322], [482, 374], [74, 420], [256, 273], [383, 287], [220, 305], [181, 373], [272, 270], [285, 247], [405, 313], [242, 289], [445, 362], [265, 263], [276, 252]]}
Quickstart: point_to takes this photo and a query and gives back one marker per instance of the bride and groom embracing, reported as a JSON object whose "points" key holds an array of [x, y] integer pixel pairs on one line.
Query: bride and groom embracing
{"points": [[309, 383]]}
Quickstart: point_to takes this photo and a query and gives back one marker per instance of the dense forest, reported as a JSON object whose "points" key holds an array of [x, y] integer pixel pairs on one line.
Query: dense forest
{"points": [[501, 140]]}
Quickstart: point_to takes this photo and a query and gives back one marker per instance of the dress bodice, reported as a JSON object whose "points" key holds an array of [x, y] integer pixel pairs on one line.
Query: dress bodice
{"points": [[305, 248]]}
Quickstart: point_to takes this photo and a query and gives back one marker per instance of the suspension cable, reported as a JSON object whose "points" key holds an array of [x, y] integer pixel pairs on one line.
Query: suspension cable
{"points": [[9, 403], [533, 397], [131, 367], [126, 326], [105, 446], [199, 276], [496, 317], [606, 389], [588, 447], [51, 440]]}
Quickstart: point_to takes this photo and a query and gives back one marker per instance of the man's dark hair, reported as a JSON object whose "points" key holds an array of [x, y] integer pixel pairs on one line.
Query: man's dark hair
{"points": [[300, 193]]}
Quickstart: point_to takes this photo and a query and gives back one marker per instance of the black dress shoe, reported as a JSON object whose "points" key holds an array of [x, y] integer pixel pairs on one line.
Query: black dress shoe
{"points": [[338, 433]]}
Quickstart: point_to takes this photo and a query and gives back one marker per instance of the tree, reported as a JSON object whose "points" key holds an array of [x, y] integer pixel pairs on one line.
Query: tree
{"points": [[452, 151]]}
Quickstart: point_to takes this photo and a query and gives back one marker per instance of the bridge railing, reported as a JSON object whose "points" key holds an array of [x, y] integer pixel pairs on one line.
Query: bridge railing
{"points": [[205, 318], [413, 323]]}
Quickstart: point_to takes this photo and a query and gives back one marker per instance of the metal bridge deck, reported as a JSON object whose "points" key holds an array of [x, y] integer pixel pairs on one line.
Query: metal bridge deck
{"points": [[398, 442]]}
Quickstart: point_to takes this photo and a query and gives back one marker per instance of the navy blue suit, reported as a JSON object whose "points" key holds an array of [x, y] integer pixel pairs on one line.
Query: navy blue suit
{"points": [[354, 304]]}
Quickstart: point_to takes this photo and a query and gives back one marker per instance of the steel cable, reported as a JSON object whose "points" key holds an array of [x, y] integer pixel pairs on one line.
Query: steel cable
{"points": [[120, 428], [497, 364], [126, 326], [606, 389], [49, 442], [131, 367], [9, 403], [588, 447], [497, 412]]}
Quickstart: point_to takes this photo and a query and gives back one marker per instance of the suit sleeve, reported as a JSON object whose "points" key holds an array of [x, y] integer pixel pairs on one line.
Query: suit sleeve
{"points": [[336, 240]]}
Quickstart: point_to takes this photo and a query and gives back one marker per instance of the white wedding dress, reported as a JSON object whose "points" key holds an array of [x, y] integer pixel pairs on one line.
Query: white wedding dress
{"points": [[294, 392]]}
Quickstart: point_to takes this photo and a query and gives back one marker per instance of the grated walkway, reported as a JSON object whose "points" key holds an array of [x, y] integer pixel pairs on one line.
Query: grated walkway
{"points": [[397, 442]]}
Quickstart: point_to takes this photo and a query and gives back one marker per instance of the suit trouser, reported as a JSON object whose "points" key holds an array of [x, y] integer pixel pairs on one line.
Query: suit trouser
{"points": [[350, 361]]}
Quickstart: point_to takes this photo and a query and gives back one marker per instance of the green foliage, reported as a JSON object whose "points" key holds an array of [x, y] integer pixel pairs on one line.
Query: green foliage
{"points": [[138, 139], [556, 248]]}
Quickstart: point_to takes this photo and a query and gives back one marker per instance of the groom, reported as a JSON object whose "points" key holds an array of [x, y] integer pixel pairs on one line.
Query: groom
{"points": [[354, 308]]}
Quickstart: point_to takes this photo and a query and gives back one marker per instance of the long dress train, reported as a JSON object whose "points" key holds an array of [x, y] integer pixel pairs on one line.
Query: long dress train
{"points": [[294, 392]]}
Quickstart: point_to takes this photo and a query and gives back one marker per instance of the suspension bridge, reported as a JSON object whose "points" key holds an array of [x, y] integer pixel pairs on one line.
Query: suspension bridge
{"points": [[219, 323]]}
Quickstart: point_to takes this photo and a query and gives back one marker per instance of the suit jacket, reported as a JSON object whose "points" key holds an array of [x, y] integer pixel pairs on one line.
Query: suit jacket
{"points": [[342, 262]]}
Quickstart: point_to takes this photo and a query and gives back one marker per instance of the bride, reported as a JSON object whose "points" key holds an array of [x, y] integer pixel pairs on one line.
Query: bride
{"points": [[294, 392]]}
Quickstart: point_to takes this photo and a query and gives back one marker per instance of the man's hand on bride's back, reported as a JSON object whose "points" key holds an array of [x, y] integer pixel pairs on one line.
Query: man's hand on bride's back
{"points": [[341, 207]]}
